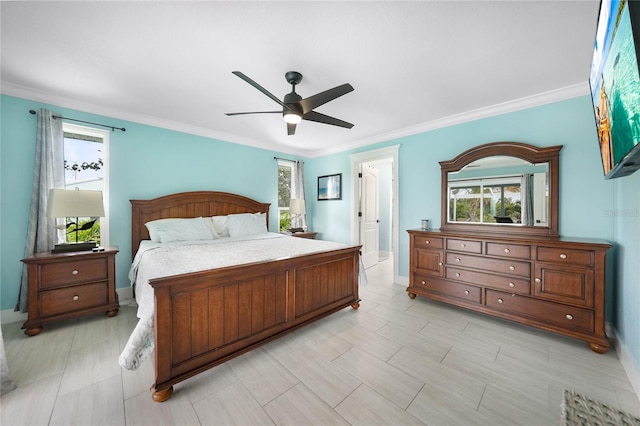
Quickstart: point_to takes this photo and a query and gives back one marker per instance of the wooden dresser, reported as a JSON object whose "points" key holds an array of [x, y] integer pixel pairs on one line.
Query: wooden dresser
{"points": [[68, 285], [554, 284]]}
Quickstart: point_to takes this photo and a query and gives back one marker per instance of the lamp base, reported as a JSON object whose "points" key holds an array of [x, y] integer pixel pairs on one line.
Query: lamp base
{"points": [[68, 247]]}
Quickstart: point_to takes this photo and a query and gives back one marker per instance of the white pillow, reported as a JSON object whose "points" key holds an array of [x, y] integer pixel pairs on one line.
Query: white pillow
{"points": [[246, 224], [220, 225], [169, 230]]}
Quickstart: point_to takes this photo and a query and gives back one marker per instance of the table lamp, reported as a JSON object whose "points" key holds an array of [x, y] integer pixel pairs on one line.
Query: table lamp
{"points": [[74, 203]]}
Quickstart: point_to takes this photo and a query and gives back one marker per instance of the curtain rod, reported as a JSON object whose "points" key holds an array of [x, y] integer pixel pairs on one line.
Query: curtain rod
{"points": [[288, 159], [82, 121]]}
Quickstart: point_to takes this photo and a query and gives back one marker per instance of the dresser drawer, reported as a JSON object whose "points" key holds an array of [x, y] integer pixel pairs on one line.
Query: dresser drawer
{"points": [[510, 267], [566, 256], [427, 242], [514, 285], [429, 262], [71, 299], [469, 246], [77, 271], [464, 292], [515, 251], [554, 314], [564, 284]]}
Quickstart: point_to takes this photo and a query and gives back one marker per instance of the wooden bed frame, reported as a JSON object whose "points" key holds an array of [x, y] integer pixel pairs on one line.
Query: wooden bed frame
{"points": [[206, 318]]}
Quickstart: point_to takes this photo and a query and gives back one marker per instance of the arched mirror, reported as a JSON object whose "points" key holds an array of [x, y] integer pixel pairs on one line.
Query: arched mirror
{"points": [[503, 188]]}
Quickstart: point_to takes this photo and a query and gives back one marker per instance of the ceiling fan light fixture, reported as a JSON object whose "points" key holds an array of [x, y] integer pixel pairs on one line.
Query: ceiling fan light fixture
{"points": [[292, 117]]}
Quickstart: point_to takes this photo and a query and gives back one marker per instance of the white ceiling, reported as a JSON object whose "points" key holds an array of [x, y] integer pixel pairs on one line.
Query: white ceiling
{"points": [[415, 66]]}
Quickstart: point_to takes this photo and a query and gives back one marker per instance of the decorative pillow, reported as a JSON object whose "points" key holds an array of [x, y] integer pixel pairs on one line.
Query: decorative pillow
{"points": [[220, 225], [170, 230], [246, 224]]}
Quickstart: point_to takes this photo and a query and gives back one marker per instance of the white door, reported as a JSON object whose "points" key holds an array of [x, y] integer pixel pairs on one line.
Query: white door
{"points": [[370, 215]]}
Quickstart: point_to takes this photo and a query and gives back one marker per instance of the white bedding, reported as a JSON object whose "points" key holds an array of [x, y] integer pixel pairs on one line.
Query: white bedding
{"points": [[154, 260]]}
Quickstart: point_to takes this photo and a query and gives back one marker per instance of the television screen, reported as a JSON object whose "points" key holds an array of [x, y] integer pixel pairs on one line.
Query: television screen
{"points": [[615, 86]]}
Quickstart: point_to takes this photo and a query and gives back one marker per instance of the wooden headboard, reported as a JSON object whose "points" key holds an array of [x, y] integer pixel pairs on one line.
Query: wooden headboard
{"points": [[187, 205]]}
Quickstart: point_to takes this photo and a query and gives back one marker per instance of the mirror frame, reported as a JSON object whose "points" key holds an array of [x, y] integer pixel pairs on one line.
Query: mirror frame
{"points": [[530, 153]]}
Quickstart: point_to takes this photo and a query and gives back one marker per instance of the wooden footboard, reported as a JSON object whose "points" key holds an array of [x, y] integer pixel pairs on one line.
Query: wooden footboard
{"points": [[206, 318]]}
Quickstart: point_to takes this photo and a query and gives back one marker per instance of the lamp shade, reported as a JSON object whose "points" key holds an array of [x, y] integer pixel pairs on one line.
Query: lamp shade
{"points": [[75, 203], [297, 206]]}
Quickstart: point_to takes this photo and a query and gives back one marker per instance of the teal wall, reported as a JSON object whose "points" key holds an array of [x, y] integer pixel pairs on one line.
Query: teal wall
{"points": [[146, 162]]}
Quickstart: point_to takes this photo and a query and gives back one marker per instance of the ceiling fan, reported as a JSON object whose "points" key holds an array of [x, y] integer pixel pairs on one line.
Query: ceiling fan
{"points": [[296, 109]]}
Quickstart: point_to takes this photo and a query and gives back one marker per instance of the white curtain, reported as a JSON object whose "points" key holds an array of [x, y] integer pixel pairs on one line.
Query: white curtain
{"points": [[297, 190], [48, 173]]}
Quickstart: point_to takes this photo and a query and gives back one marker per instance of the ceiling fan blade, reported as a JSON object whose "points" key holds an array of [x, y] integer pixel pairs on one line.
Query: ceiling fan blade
{"points": [[325, 119], [253, 112], [322, 98], [291, 129], [260, 88]]}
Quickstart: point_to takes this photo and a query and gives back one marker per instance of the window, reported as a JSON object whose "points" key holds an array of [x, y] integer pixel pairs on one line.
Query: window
{"points": [[486, 200], [85, 166], [285, 174]]}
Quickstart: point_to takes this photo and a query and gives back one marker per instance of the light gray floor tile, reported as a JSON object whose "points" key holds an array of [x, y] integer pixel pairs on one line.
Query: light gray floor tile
{"points": [[395, 361], [300, 406]]}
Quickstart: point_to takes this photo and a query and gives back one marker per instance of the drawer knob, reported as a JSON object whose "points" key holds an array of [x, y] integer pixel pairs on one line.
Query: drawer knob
{"points": [[457, 274], [500, 301], [563, 256], [74, 272], [507, 250], [537, 280], [569, 317], [423, 282], [512, 285], [463, 245], [426, 242], [512, 268], [75, 297], [466, 292], [439, 263], [457, 259]]}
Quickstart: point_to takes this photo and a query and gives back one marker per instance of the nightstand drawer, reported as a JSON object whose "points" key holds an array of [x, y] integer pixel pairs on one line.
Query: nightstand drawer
{"points": [[78, 271], [71, 299]]}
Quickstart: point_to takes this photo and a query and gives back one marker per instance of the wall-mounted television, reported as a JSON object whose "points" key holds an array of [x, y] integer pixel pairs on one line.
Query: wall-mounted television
{"points": [[615, 86]]}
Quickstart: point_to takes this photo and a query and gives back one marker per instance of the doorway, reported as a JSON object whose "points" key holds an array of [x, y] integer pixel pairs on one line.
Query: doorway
{"points": [[375, 205]]}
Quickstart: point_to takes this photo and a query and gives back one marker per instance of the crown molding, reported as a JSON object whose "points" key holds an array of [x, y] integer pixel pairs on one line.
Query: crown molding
{"points": [[551, 96]]}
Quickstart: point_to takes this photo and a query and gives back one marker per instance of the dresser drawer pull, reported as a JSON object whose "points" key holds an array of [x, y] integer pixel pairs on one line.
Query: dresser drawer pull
{"points": [[512, 285], [457, 274], [75, 297], [457, 259], [74, 272], [439, 263], [466, 292], [537, 280], [569, 317], [500, 301], [507, 250], [423, 282], [563, 256], [427, 242], [512, 268], [463, 245]]}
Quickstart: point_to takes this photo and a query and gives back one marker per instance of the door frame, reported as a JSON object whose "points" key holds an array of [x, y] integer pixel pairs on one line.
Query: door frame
{"points": [[390, 152]]}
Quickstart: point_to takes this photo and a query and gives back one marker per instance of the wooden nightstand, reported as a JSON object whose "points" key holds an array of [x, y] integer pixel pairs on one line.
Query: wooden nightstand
{"points": [[69, 285], [310, 235]]}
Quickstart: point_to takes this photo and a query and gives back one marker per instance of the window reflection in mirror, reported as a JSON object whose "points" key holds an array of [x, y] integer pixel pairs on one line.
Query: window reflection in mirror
{"points": [[499, 190]]}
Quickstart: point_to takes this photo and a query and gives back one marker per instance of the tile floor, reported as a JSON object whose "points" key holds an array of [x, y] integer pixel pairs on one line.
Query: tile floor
{"points": [[395, 361]]}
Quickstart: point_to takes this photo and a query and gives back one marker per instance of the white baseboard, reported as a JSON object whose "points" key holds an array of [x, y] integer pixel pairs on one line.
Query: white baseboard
{"points": [[125, 295], [625, 359]]}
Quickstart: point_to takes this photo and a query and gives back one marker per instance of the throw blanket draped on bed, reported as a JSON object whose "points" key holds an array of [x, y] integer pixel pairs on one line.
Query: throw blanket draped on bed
{"points": [[155, 260]]}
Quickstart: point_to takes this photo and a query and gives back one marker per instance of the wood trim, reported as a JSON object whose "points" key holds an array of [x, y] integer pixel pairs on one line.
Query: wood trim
{"points": [[520, 150]]}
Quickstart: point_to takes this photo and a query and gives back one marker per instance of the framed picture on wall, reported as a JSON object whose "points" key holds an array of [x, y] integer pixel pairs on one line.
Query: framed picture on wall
{"points": [[330, 187]]}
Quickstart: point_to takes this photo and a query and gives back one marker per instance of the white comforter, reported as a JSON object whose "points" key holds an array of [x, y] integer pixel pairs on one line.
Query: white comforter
{"points": [[154, 260]]}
